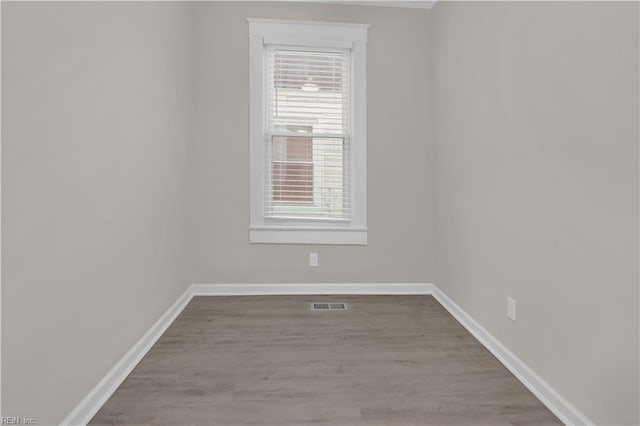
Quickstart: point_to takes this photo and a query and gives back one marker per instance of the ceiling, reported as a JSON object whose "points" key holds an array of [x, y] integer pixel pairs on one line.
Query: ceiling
{"points": [[418, 4]]}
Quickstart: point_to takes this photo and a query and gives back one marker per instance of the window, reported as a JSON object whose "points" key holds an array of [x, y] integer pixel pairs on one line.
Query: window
{"points": [[308, 132]]}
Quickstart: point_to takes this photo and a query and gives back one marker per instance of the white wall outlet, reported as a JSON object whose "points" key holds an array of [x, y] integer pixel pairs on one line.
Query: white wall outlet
{"points": [[313, 259], [511, 308]]}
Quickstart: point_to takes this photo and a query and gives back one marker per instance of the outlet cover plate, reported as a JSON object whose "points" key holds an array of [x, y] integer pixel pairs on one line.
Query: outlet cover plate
{"points": [[511, 308]]}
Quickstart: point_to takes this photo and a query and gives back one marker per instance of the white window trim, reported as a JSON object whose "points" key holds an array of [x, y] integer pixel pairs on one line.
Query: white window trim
{"points": [[312, 34]]}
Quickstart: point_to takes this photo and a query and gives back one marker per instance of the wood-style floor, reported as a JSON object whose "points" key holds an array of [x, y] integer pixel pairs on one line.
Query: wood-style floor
{"points": [[388, 360]]}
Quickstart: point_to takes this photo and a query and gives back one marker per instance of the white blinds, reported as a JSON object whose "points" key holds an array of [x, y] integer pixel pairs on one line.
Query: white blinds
{"points": [[307, 107]]}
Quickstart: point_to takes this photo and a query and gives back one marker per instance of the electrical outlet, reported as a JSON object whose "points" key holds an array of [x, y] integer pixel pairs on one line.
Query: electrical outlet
{"points": [[313, 259], [511, 309]]}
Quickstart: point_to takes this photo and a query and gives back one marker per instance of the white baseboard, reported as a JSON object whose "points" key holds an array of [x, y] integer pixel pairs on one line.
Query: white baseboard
{"points": [[90, 405], [565, 411], [313, 288]]}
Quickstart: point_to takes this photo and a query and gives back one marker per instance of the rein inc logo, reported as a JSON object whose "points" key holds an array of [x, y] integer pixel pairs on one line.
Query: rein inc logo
{"points": [[15, 420]]}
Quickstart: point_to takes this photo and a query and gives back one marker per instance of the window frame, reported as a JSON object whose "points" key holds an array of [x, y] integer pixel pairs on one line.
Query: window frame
{"points": [[310, 34]]}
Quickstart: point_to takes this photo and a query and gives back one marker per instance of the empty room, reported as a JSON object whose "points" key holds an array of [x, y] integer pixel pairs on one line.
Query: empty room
{"points": [[335, 213]]}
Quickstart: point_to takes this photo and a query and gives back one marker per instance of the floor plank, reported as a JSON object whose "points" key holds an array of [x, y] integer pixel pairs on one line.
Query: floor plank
{"points": [[270, 360]]}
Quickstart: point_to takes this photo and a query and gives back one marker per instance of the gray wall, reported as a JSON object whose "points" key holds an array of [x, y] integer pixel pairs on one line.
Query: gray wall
{"points": [[537, 187], [400, 142], [95, 178]]}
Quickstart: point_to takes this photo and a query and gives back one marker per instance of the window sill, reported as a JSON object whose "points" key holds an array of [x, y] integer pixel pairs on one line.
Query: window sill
{"points": [[307, 235]]}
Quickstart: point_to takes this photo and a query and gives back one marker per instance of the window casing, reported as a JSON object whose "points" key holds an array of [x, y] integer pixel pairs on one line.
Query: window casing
{"points": [[307, 132]]}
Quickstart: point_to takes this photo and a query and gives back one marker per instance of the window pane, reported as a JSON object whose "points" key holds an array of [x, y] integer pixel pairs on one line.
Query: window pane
{"points": [[307, 90], [292, 170], [308, 178]]}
